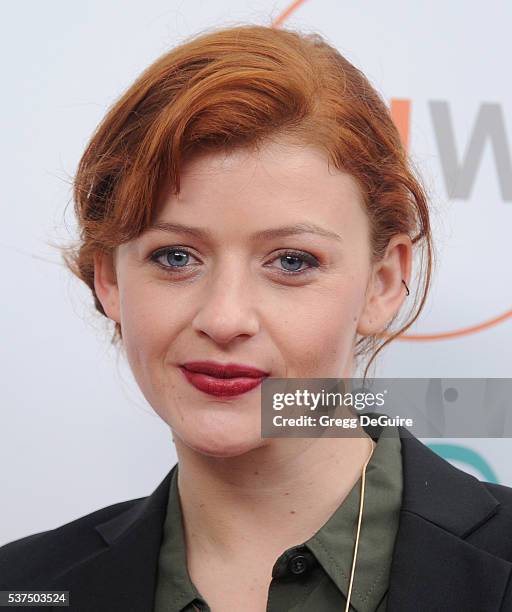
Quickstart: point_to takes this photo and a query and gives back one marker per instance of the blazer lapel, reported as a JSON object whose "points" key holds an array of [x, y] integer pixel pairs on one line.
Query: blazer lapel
{"points": [[121, 574], [434, 567]]}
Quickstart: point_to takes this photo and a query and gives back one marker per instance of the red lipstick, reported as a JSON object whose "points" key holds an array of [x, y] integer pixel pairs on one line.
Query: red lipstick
{"points": [[219, 379]]}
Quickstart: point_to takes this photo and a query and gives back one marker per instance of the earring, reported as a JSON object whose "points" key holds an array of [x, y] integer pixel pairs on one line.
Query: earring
{"points": [[406, 287]]}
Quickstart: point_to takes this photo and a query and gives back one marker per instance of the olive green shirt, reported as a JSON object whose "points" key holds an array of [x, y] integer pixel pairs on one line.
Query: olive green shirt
{"points": [[312, 575]]}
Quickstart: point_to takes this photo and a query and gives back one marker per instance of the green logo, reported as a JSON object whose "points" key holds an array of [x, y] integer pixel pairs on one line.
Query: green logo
{"points": [[464, 454]]}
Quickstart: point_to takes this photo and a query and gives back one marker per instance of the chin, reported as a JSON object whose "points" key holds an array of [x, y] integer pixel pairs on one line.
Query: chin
{"points": [[229, 447]]}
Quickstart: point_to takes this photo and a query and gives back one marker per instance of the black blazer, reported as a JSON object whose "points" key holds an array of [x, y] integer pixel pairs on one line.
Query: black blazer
{"points": [[453, 551]]}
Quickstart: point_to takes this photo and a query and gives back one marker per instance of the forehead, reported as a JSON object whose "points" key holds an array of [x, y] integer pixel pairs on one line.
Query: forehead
{"points": [[249, 190], [277, 171]]}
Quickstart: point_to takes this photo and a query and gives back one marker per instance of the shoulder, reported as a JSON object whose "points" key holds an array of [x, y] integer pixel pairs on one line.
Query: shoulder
{"points": [[36, 559], [503, 515], [497, 531], [502, 493]]}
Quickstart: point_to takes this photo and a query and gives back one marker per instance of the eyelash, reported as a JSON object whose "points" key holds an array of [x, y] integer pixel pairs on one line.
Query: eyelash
{"points": [[305, 257]]}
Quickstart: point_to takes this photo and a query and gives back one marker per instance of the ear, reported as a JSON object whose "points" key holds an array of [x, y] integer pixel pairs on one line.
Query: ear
{"points": [[105, 284], [386, 292]]}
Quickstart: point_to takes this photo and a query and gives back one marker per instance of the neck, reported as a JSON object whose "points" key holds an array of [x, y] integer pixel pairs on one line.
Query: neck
{"points": [[277, 495]]}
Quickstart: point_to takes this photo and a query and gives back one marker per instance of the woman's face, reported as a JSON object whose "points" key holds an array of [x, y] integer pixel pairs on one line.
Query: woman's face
{"points": [[224, 289]]}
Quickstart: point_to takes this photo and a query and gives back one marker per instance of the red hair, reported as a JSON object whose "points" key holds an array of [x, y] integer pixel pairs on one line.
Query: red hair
{"points": [[237, 87]]}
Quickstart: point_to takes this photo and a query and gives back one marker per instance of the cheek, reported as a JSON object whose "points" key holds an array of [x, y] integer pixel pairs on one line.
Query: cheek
{"points": [[320, 333], [141, 316], [150, 319]]}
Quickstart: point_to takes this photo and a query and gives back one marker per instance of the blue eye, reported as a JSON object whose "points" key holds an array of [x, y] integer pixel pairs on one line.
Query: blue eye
{"points": [[292, 258], [174, 257], [177, 258]]}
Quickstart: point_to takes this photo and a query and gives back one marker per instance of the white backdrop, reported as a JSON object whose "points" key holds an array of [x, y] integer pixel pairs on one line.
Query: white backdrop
{"points": [[76, 434]]}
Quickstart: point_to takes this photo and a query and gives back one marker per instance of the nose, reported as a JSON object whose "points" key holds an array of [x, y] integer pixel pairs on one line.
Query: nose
{"points": [[227, 308]]}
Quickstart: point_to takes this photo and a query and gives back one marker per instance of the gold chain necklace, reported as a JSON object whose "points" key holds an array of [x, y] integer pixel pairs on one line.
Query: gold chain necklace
{"points": [[358, 530]]}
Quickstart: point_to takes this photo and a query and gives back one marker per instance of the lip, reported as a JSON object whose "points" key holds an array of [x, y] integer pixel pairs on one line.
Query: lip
{"points": [[222, 380], [224, 370]]}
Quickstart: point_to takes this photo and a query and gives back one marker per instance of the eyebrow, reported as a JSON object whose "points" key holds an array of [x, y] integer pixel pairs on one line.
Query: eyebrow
{"points": [[268, 234]]}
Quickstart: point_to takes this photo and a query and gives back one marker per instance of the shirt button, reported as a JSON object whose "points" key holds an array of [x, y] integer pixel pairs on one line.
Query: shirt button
{"points": [[298, 564]]}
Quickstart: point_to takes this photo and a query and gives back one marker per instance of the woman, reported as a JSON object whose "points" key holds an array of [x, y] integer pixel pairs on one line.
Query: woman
{"points": [[269, 167]]}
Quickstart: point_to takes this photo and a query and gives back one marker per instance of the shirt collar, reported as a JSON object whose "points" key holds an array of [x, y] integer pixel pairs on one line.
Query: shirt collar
{"points": [[172, 564], [333, 544]]}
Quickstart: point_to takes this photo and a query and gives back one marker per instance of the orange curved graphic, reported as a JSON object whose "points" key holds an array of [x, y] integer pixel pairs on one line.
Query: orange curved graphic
{"points": [[400, 111], [463, 331], [286, 13]]}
